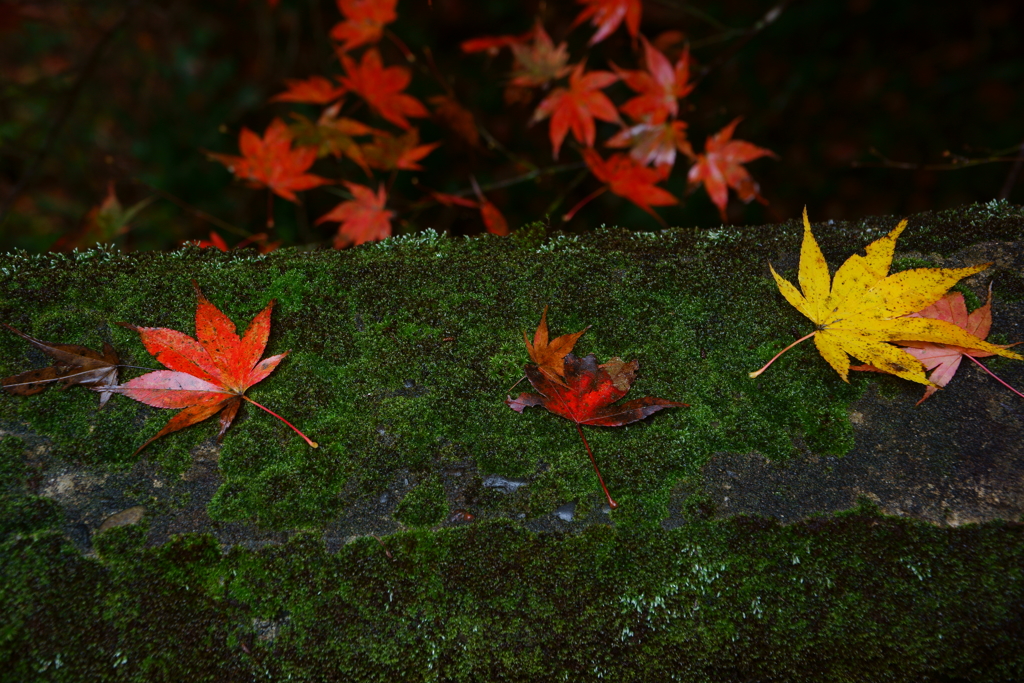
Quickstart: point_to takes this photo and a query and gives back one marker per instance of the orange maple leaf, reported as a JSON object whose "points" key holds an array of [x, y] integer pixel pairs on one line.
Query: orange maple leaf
{"points": [[627, 178], [382, 88], [312, 90], [719, 167], [364, 22], [606, 15], [549, 355], [389, 153], [654, 143], [660, 86], [576, 108], [362, 219], [271, 162], [540, 62]]}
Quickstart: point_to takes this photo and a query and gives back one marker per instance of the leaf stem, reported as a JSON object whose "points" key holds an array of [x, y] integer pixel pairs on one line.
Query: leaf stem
{"points": [[982, 366], [586, 200], [313, 444], [755, 374], [611, 503]]}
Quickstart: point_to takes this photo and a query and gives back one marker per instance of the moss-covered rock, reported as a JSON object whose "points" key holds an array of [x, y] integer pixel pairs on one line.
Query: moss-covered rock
{"points": [[401, 356]]}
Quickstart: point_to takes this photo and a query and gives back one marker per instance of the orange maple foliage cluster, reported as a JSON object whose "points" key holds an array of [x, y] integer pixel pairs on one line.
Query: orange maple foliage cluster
{"points": [[573, 98]]}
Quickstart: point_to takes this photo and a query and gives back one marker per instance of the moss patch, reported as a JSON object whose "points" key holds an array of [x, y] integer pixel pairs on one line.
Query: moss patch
{"points": [[402, 354], [859, 596]]}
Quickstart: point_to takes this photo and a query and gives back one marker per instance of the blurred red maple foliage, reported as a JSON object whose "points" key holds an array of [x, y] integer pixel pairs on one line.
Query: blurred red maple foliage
{"points": [[539, 64]]}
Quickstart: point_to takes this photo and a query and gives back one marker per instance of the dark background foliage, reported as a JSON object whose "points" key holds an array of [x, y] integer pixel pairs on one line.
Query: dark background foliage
{"points": [[821, 86]]}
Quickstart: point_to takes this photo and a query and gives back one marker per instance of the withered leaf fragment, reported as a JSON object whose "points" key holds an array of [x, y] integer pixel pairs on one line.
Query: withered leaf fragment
{"points": [[73, 365]]}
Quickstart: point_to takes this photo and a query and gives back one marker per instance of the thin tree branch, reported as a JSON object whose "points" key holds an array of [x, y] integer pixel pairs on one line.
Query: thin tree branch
{"points": [[761, 24], [197, 212], [1011, 177], [957, 162], [91, 62], [687, 8], [508, 182]]}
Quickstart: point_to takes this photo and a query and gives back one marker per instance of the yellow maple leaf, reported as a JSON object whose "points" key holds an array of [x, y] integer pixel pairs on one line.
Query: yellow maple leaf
{"points": [[861, 309]]}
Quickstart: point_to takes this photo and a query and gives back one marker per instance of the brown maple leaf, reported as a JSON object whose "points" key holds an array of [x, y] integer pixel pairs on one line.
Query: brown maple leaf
{"points": [[550, 355], [103, 223], [403, 153], [271, 162], [539, 62], [73, 365], [449, 112], [333, 135]]}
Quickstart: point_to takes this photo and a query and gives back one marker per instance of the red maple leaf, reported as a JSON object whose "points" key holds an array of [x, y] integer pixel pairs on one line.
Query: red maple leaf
{"points": [[627, 178], [312, 90], [492, 44], [719, 167], [364, 22], [944, 359], [388, 153], [654, 143], [207, 375], [492, 217], [540, 62], [606, 15], [587, 396], [215, 242], [660, 86], [454, 200], [382, 88], [271, 162], [362, 219], [576, 108]]}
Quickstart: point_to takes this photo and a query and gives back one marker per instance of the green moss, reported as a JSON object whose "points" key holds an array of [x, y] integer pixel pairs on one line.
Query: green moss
{"points": [[405, 350], [21, 512], [424, 505], [852, 597]]}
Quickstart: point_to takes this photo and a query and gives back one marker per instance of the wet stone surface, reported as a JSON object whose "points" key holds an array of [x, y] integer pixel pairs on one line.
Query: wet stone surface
{"points": [[956, 459], [970, 473]]}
